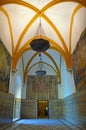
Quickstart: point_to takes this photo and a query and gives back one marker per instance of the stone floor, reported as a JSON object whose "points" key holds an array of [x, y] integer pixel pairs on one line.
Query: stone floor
{"points": [[41, 124]]}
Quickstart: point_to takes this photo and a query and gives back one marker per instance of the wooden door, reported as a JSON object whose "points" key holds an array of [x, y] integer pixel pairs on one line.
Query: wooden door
{"points": [[43, 109]]}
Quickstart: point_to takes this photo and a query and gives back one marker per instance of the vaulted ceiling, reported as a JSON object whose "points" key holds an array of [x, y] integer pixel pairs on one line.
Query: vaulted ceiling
{"points": [[62, 22]]}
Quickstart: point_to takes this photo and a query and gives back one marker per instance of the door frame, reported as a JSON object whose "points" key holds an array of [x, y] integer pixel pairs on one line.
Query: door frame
{"points": [[38, 107]]}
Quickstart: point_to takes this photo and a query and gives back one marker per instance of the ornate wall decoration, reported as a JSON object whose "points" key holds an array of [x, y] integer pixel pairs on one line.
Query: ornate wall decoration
{"points": [[5, 63], [79, 62], [43, 88]]}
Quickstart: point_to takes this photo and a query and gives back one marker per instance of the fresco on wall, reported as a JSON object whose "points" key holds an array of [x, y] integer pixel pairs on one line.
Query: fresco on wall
{"points": [[43, 88], [79, 62], [5, 63]]}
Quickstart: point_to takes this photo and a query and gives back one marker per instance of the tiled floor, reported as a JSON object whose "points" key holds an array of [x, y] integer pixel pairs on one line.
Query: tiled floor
{"points": [[41, 124]]}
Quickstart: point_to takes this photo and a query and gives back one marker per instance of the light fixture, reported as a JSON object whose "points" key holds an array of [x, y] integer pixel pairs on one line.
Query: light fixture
{"points": [[41, 69], [39, 44]]}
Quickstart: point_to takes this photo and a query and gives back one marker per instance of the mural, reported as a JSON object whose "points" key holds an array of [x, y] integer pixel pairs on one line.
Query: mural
{"points": [[79, 62], [5, 63], [42, 88]]}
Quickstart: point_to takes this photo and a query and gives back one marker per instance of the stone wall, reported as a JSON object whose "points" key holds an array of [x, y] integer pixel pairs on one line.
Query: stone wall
{"points": [[74, 107], [44, 88], [55, 109], [17, 108], [6, 108], [28, 108]]}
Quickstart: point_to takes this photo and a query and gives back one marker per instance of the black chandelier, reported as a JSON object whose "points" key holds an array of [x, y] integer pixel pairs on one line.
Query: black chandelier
{"points": [[40, 44], [41, 69]]}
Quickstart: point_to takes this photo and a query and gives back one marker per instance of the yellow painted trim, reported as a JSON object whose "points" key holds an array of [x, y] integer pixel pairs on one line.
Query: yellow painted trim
{"points": [[24, 31], [40, 12], [10, 27], [43, 63], [23, 64], [63, 54], [54, 2], [71, 24], [30, 61], [29, 24], [35, 9], [57, 32], [24, 48], [55, 46], [25, 72], [26, 69], [28, 5], [50, 57], [3, 2], [18, 55], [50, 23]]}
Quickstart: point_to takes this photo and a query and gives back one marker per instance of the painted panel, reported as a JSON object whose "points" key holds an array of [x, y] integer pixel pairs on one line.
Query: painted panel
{"points": [[5, 63], [79, 62], [43, 88]]}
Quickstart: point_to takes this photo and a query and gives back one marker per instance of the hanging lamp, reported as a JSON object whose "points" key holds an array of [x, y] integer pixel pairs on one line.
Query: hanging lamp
{"points": [[41, 69], [40, 44]]}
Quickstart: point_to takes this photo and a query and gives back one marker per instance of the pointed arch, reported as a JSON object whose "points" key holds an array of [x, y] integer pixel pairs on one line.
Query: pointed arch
{"points": [[10, 27], [54, 44]]}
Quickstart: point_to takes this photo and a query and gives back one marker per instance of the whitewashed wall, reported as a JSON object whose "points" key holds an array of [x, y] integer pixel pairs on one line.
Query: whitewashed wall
{"points": [[67, 86], [17, 88]]}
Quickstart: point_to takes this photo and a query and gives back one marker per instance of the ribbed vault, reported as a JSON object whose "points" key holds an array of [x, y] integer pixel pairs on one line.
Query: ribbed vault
{"points": [[62, 35]]}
